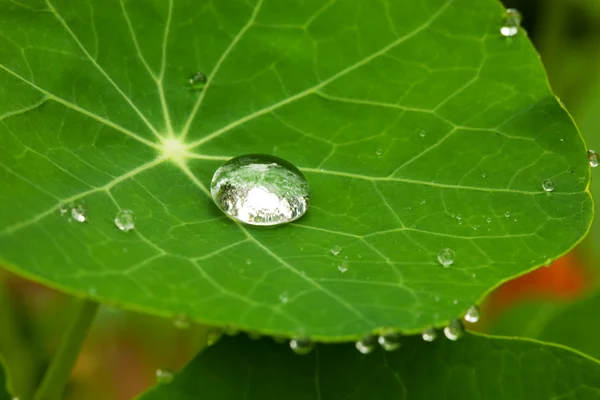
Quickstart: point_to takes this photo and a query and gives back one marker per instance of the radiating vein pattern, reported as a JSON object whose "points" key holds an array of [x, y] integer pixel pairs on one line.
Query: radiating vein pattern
{"points": [[418, 129]]}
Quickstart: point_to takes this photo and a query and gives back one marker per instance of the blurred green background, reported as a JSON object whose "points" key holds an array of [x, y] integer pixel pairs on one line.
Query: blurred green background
{"points": [[557, 304]]}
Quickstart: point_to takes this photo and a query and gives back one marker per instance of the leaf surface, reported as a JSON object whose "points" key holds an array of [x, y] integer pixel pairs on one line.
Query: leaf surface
{"points": [[472, 368], [418, 126]]}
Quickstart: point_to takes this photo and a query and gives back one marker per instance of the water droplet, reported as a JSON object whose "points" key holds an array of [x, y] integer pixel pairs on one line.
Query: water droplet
{"points": [[593, 158], [548, 185], [164, 376], [455, 301], [378, 152], [343, 268], [488, 220], [284, 297], [484, 175], [367, 344], [422, 133], [454, 330], [548, 262], [182, 321], [429, 334], [301, 346], [198, 81], [254, 335], [390, 341], [507, 214], [78, 213], [446, 257], [512, 23], [472, 314], [248, 261], [63, 209], [260, 189], [335, 250], [213, 336], [423, 201], [125, 220]]}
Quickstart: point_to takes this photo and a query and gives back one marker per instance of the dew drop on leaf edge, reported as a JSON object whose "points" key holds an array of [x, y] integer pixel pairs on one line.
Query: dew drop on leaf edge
{"points": [[164, 376], [429, 334], [593, 158], [125, 220], [511, 23], [390, 341], [367, 344], [446, 257], [181, 321], [301, 346], [260, 189], [198, 80], [472, 314], [79, 213], [454, 330], [548, 185]]}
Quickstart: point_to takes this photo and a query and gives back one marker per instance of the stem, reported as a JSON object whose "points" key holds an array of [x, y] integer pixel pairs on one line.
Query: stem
{"points": [[59, 372]]}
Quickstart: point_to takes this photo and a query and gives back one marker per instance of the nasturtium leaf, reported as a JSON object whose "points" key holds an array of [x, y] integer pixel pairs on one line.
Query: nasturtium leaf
{"points": [[418, 126], [574, 324], [472, 368]]}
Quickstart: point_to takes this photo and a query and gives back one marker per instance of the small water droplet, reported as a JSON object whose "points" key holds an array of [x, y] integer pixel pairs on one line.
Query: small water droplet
{"points": [[198, 81], [484, 175], [378, 152], [475, 227], [507, 214], [125, 220], [422, 133], [254, 335], [343, 268], [446, 257], [454, 330], [78, 213], [488, 220], [390, 341], [455, 301], [548, 185], [548, 262], [429, 334], [301, 346], [284, 297], [260, 189], [473, 275], [512, 23], [423, 201], [335, 250], [248, 261], [213, 336], [472, 314], [367, 344], [593, 158], [164, 376], [63, 209], [182, 321]]}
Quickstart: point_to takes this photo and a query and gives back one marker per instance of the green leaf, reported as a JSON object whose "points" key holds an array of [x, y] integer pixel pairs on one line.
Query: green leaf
{"points": [[473, 368], [97, 109], [4, 395], [574, 324]]}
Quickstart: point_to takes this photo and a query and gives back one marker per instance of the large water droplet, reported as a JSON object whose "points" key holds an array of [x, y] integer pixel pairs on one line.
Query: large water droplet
{"points": [[548, 185], [301, 346], [198, 81], [446, 257], [335, 250], [390, 341], [125, 220], [512, 23], [181, 321], [367, 344], [259, 189], [593, 158], [78, 213], [472, 314], [164, 376], [429, 334], [454, 330]]}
